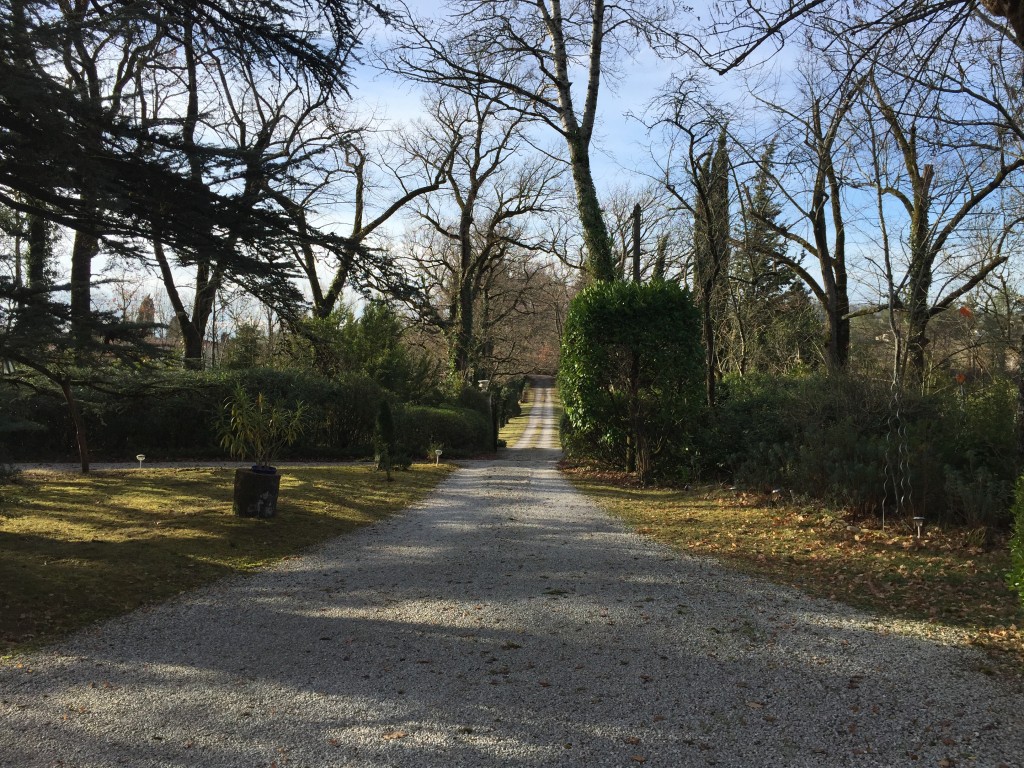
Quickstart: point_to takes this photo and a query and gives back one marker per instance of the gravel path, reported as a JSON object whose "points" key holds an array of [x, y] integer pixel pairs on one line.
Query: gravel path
{"points": [[504, 622]]}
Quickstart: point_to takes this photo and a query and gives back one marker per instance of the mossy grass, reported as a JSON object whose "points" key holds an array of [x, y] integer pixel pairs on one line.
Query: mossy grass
{"points": [[950, 577], [79, 548]]}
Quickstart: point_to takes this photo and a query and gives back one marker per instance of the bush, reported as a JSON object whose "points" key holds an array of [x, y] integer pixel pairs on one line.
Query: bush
{"points": [[173, 415], [631, 375], [459, 432], [1015, 578], [833, 438]]}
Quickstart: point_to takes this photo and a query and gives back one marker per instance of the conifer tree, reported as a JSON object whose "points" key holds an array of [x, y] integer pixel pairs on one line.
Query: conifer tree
{"points": [[711, 253], [771, 324]]}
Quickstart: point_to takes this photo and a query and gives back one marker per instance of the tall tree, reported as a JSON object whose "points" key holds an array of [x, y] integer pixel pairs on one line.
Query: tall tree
{"points": [[78, 147], [771, 318], [480, 218], [939, 199], [711, 249], [538, 50]]}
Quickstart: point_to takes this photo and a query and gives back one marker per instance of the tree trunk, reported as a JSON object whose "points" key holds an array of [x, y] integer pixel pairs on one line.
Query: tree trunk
{"points": [[838, 329], [600, 259], [84, 250], [76, 422]]}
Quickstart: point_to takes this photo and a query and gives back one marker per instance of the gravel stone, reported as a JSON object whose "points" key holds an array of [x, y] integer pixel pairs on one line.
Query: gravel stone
{"points": [[505, 621]]}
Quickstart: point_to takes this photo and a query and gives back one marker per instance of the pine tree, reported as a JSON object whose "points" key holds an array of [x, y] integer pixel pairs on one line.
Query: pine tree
{"points": [[771, 309], [711, 253]]}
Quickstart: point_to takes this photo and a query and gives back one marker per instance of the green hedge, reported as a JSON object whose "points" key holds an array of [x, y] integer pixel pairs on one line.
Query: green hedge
{"points": [[631, 377], [459, 432], [173, 415], [832, 437]]}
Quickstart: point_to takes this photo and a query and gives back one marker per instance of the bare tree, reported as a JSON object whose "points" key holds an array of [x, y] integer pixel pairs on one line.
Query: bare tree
{"points": [[810, 176], [662, 249], [943, 179], [741, 30], [481, 218], [535, 51], [354, 164]]}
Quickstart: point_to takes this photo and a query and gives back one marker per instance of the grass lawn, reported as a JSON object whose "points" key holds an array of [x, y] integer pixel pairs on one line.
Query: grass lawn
{"points": [[516, 426], [77, 548], [947, 578]]}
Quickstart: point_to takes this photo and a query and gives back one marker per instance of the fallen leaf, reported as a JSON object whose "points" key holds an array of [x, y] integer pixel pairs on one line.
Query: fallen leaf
{"points": [[391, 735], [639, 759], [631, 740]]}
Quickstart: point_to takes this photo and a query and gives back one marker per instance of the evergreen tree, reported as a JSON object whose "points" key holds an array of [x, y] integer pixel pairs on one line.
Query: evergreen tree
{"points": [[770, 307], [37, 349], [711, 253]]}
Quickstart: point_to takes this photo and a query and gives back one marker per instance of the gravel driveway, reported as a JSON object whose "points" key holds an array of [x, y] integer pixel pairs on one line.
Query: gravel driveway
{"points": [[504, 622]]}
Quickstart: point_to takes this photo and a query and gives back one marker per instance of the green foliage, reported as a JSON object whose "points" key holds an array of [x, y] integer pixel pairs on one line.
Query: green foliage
{"points": [[631, 375], [833, 437], [459, 432], [246, 349], [256, 429], [508, 403], [1015, 578], [174, 415], [773, 323], [370, 345]]}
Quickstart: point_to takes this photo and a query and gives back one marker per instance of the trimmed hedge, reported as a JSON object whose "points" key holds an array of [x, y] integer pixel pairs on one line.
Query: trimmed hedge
{"points": [[173, 415], [459, 432], [631, 377]]}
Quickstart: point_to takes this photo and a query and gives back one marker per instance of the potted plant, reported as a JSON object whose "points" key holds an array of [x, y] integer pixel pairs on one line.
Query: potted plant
{"points": [[254, 429]]}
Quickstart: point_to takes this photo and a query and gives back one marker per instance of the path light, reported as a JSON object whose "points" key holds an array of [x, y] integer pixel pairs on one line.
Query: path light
{"points": [[437, 456], [919, 524], [141, 457], [483, 384]]}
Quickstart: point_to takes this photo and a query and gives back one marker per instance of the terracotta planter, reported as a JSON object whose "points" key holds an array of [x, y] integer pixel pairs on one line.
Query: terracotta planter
{"points": [[256, 493]]}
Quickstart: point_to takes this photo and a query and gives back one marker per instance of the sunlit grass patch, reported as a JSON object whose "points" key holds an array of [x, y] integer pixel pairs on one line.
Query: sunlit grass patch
{"points": [[513, 431], [77, 548], [945, 578]]}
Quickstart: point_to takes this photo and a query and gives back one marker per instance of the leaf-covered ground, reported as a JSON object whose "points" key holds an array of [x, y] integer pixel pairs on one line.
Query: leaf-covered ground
{"points": [[76, 548], [948, 577]]}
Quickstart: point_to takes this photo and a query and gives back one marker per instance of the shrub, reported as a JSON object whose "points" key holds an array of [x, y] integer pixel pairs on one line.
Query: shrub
{"points": [[834, 437], [459, 432], [174, 413], [254, 428], [1015, 578], [631, 375]]}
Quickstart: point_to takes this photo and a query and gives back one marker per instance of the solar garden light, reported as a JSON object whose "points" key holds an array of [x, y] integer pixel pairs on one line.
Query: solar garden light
{"points": [[140, 458], [437, 456], [919, 524]]}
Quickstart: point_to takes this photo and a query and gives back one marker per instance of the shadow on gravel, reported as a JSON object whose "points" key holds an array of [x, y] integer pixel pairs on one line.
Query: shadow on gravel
{"points": [[508, 625]]}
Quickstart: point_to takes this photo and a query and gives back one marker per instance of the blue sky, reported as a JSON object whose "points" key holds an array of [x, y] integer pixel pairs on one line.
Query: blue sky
{"points": [[620, 142]]}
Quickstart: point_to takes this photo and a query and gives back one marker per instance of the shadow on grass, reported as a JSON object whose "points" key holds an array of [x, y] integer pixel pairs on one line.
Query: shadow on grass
{"points": [[77, 549]]}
